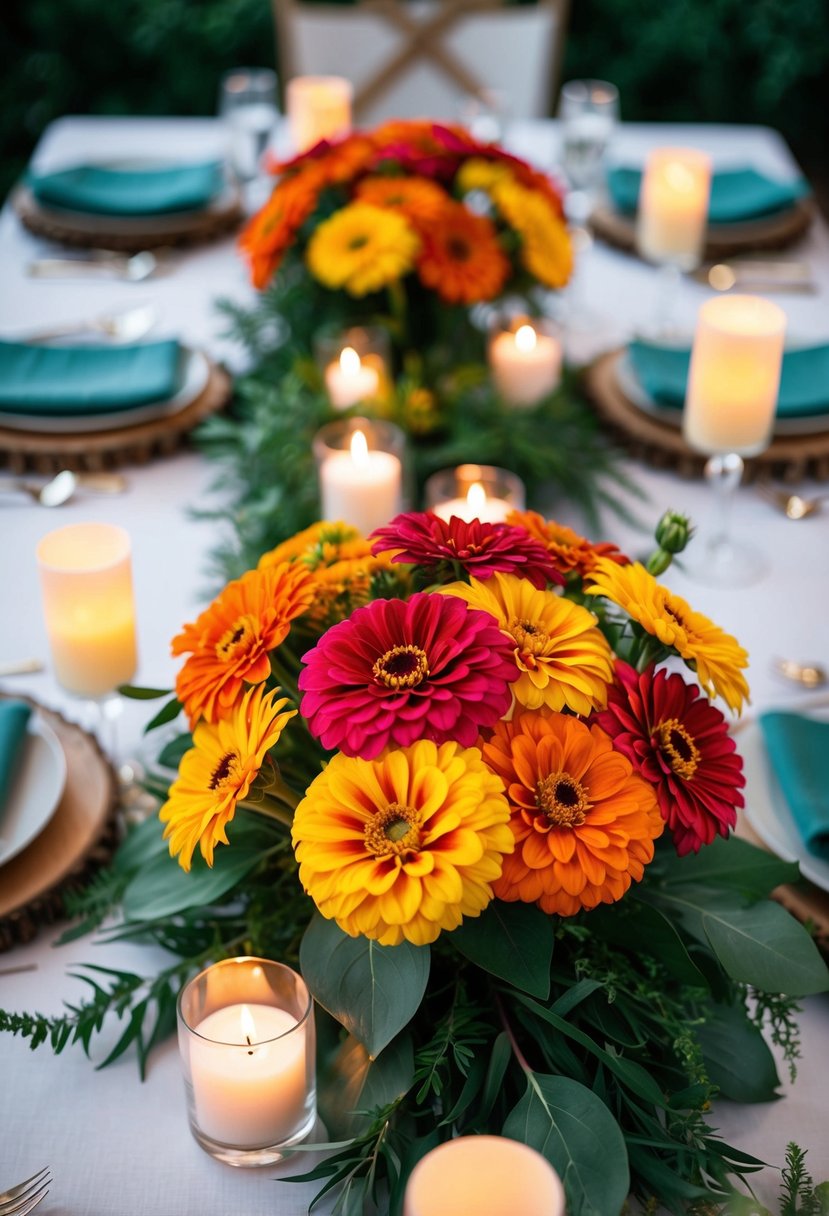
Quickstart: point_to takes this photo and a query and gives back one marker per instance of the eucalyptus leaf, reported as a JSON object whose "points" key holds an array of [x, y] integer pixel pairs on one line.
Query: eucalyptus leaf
{"points": [[134, 693], [162, 888], [167, 713], [355, 1084], [513, 941], [372, 990], [172, 752], [736, 1055], [641, 925], [733, 863]]}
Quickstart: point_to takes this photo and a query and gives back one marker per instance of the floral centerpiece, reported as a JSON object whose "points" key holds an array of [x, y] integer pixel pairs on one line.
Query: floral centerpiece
{"points": [[476, 780]]}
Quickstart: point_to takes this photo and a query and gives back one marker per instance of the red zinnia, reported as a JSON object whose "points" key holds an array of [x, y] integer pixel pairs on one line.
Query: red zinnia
{"points": [[402, 670], [679, 743], [424, 539]]}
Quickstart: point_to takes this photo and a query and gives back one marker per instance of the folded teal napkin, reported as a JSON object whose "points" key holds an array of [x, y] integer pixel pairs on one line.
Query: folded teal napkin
{"points": [[14, 718], [736, 194], [106, 191], [798, 749], [70, 381], [804, 380]]}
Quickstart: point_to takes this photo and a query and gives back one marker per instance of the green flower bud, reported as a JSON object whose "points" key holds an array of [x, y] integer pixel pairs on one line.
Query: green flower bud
{"points": [[673, 532]]}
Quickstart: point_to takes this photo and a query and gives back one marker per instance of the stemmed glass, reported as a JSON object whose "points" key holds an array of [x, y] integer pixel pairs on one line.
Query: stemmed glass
{"points": [[248, 106]]}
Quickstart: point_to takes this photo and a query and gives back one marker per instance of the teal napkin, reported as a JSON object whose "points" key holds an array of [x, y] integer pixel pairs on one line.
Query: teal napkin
{"points": [[70, 381], [106, 191], [804, 380], [14, 718], [798, 749], [736, 194]]}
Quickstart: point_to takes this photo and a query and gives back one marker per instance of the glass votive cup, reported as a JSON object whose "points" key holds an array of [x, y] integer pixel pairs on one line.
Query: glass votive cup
{"points": [[248, 108], [354, 364], [318, 107], [525, 359], [361, 470], [474, 491], [247, 1045], [487, 1175]]}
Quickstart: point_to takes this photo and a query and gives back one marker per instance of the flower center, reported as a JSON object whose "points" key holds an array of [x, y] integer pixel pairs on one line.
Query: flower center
{"points": [[225, 772], [530, 640], [394, 832], [562, 799], [358, 242], [677, 747], [236, 640], [401, 667]]}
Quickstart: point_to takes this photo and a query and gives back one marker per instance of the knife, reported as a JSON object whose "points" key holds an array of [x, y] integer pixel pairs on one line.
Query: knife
{"points": [[759, 275]]}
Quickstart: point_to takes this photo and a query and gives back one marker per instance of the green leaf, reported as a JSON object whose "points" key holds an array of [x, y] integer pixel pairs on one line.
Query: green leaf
{"points": [[498, 1061], [167, 713], [513, 941], [737, 1057], [736, 864], [638, 924], [577, 1134], [355, 1083], [374, 991], [142, 694], [172, 752], [140, 845]]}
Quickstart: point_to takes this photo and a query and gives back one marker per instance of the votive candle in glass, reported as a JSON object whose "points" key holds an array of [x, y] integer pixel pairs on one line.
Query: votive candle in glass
{"points": [[487, 1175], [525, 361], [88, 603], [360, 470], [247, 1045], [673, 206], [735, 375], [354, 364], [318, 107], [474, 491]]}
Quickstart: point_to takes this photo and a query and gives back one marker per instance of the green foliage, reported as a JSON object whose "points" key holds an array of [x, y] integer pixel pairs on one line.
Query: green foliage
{"points": [[513, 941]]}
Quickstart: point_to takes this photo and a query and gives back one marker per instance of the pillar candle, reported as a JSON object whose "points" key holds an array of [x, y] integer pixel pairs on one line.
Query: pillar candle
{"points": [[673, 206], [487, 1175], [349, 380], [735, 375], [359, 486], [526, 364], [318, 107]]}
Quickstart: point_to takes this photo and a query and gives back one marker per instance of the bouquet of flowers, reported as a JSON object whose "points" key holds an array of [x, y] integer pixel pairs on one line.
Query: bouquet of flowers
{"points": [[474, 779]]}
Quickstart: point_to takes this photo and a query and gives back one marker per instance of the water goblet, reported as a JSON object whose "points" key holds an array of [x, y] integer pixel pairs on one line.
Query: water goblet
{"points": [[247, 104]]}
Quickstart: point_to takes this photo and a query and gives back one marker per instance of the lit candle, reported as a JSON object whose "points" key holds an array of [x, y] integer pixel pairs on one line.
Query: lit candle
{"points": [[477, 505], [349, 380], [361, 487], [673, 206], [735, 375], [86, 579], [487, 1175], [526, 364], [318, 107]]}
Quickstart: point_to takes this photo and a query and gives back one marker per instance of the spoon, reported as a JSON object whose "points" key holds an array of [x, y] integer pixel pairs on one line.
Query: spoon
{"points": [[134, 269], [120, 324], [810, 675], [793, 506], [61, 488]]}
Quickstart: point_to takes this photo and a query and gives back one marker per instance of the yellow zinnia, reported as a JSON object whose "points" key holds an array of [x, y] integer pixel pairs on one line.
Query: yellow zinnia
{"points": [[362, 248], [217, 773], [405, 845], [716, 656], [546, 250], [563, 657], [480, 174]]}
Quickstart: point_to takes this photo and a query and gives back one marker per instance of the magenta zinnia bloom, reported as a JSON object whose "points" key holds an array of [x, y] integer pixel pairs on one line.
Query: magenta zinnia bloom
{"points": [[424, 539], [678, 742], [402, 670]]}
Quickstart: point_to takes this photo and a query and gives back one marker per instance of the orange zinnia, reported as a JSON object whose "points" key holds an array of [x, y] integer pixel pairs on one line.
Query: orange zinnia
{"points": [[461, 258], [421, 201], [568, 550], [230, 642], [584, 823], [272, 230]]}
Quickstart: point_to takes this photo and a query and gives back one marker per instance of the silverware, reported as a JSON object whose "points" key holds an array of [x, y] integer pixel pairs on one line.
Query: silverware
{"points": [[120, 324], [23, 1198], [810, 675], [17, 970], [22, 667], [758, 275], [793, 506], [64, 484], [101, 264]]}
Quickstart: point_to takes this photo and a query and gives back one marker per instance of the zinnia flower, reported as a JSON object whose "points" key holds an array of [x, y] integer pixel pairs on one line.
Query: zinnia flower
{"points": [[562, 657], [217, 773], [461, 259], [584, 823], [229, 643], [546, 250], [716, 656], [272, 230], [362, 249], [421, 201], [568, 550], [424, 539], [405, 845], [401, 670], [679, 743]]}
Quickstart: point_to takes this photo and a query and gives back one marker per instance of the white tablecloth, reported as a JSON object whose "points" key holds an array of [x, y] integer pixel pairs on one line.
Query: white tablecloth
{"points": [[116, 1146]]}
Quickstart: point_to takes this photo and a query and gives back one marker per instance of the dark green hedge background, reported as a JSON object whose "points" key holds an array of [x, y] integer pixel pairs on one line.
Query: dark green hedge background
{"points": [[763, 61]]}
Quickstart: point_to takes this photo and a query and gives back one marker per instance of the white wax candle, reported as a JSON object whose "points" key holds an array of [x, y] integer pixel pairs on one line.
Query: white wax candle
{"points": [[526, 365], [249, 1084], [477, 505], [361, 487], [348, 380], [318, 107], [487, 1175], [735, 375], [673, 206]]}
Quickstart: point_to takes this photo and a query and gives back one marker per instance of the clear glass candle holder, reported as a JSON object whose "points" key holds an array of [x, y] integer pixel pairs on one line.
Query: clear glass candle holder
{"points": [[247, 1044], [354, 364], [474, 491], [487, 1175], [525, 359], [361, 468]]}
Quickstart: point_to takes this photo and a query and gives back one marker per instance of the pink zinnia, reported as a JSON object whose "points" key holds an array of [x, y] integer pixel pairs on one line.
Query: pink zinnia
{"points": [[397, 671], [424, 539], [679, 743]]}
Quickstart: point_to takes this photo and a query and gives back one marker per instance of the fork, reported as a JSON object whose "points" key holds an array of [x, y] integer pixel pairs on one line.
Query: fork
{"points": [[24, 1197]]}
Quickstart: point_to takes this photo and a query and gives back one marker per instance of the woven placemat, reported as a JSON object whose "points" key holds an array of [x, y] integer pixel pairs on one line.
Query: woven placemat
{"points": [[91, 451], [721, 240], [788, 458], [129, 233], [80, 837]]}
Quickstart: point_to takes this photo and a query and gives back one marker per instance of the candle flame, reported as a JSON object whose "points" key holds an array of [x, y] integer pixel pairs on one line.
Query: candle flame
{"points": [[349, 361], [475, 499], [359, 450], [248, 1024], [525, 338]]}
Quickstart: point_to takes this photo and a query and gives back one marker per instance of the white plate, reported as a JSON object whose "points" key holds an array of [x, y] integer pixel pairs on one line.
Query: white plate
{"points": [[194, 372], [638, 395], [36, 792], [767, 810]]}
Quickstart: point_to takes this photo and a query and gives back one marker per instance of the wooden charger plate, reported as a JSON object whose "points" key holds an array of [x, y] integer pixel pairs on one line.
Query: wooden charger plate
{"points": [[721, 240], [80, 836]]}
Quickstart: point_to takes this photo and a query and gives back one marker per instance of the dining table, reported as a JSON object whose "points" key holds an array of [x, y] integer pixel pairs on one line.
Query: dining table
{"points": [[120, 1146]]}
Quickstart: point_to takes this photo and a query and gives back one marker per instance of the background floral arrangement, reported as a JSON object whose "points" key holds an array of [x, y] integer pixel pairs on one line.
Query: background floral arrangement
{"points": [[458, 772]]}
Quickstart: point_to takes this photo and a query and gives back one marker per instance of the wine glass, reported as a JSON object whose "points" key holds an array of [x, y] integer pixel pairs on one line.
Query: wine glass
{"points": [[247, 104]]}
